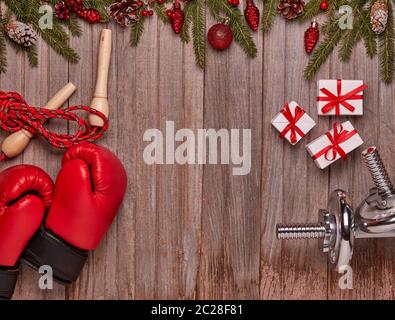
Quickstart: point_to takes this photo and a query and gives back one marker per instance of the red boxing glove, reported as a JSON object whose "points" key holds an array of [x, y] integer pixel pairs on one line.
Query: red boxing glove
{"points": [[25, 193], [88, 192]]}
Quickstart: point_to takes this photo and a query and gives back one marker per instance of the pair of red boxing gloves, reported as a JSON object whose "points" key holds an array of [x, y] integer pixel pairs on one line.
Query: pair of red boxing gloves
{"points": [[57, 225]]}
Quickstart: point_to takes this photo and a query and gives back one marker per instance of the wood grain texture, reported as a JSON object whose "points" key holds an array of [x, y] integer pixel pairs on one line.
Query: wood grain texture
{"points": [[197, 231]]}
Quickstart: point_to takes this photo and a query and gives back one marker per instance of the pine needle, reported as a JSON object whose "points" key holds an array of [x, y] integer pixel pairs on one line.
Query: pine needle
{"points": [[74, 26], [268, 14], [3, 54], [199, 31], [188, 9], [311, 9], [369, 37], [137, 31], [387, 51], [160, 10], [350, 39], [323, 51], [32, 56], [241, 33]]}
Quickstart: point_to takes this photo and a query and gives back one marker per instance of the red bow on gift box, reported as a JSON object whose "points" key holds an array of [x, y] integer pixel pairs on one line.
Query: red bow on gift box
{"points": [[339, 135], [286, 112], [336, 101]]}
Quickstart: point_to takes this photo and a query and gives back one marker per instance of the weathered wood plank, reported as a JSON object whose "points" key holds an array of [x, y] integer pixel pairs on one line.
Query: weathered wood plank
{"points": [[304, 185], [145, 111], [192, 179], [272, 196], [231, 204]]}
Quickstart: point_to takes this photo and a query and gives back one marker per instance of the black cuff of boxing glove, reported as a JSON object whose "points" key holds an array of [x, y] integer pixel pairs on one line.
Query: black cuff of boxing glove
{"points": [[45, 248], [8, 278]]}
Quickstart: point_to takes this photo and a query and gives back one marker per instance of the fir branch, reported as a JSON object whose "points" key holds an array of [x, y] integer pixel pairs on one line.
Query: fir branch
{"points": [[3, 53], [32, 56], [199, 31], [387, 51], [241, 32], [101, 6], [323, 51], [137, 31], [160, 10], [311, 9], [350, 39], [369, 37], [57, 38], [268, 14], [188, 10], [74, 26]]}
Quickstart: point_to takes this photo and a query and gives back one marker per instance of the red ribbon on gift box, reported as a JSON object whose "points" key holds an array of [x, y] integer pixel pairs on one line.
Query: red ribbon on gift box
{"points": [[286, 112], [336, 101], [339, 135]]}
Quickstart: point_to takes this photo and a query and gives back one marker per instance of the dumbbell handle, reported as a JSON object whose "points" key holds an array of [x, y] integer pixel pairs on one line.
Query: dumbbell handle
{"points": [[16, 142]]}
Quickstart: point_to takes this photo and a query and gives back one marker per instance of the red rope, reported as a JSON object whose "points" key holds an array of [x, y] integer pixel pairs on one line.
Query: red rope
{"points": [[16, 114]]}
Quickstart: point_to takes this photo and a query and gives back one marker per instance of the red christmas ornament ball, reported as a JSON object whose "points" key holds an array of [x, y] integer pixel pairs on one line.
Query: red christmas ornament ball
{"points": [[140, 3], [324, 5], [220, 36], [144, 13], [234, 3]]}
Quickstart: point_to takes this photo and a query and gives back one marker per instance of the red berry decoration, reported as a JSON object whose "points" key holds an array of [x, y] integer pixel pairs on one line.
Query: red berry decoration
{"points": [[251, 14], [62, 11], [91, 15], [75, 5], [144, 13], [220, 36], [324, 5], [176, 17], [64, 8], [311, 37]]}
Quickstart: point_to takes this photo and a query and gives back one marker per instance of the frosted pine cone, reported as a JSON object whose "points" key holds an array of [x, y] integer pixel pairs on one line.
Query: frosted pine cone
{"points": [[21, 33], [125, 12], [291, 9], [379, 16]]}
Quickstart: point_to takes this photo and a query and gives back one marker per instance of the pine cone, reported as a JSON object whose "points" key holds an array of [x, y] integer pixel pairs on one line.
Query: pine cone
{"points": [[379, 16], [21, 33], [291, 9], [125, 12]]}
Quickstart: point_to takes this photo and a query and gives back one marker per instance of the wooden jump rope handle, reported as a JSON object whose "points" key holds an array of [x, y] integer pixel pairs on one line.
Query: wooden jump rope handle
{"points": [[100, 97], [16, 142]]}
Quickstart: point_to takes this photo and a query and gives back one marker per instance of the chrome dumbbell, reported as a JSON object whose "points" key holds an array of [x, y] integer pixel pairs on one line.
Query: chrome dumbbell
{"points": [[339, 226]]}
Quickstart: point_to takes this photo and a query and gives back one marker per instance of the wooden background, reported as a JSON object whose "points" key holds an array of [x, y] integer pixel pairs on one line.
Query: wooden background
{"points": [[194, 232]]}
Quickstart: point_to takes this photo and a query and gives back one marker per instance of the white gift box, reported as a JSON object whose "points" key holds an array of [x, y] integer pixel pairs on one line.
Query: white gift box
{"points": [[340, 97], [301, 123], [335, 144]]}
